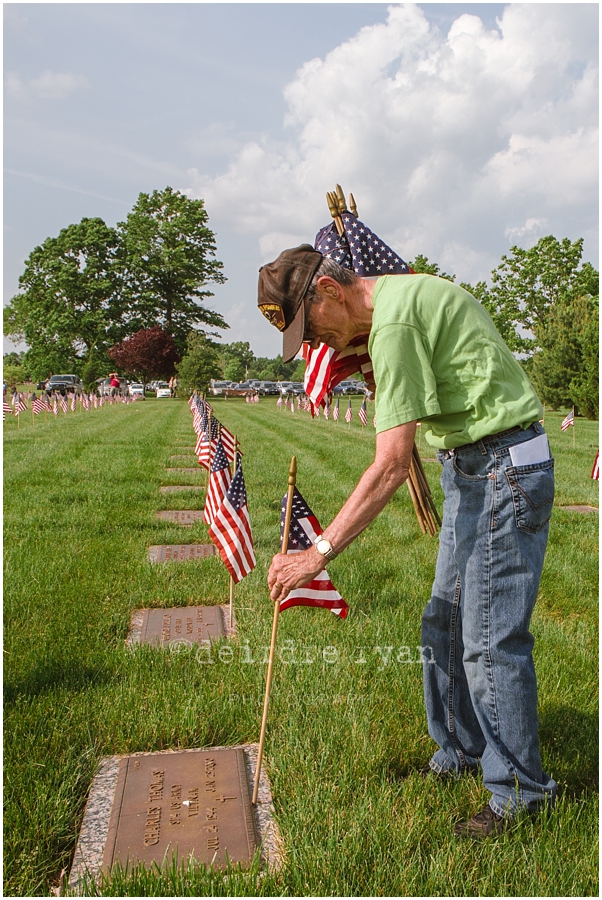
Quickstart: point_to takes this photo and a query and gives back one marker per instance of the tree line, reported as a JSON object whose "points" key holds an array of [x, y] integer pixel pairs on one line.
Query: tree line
{"points": [[134, 297], [93, 286]]}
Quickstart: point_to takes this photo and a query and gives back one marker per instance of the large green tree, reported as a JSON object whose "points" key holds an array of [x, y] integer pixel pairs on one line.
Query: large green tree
{"points": [[528, 284], [565, 369], [200, 364], [237, 358], [167, 259], [66, 308]]}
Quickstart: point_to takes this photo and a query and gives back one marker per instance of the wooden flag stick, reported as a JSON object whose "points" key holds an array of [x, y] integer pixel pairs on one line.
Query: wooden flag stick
{"points": [[425, 484], [292, 477], [417, 510]]}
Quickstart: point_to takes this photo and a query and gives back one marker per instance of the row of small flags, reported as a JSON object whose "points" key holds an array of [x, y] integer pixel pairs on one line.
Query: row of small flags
{"points": [[56, 403], [305, 405], [227, 514]]}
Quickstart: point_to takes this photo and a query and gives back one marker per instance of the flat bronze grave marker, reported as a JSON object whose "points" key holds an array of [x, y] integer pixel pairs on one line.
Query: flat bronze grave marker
{"points": [[179, 552], [176, 488], [181, 625], [185, 517], [187, 471], [186, 802], [181, 803], [180, 456]]}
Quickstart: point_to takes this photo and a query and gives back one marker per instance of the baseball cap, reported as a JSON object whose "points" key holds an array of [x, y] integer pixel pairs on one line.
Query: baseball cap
{"points": [[281, 291]]}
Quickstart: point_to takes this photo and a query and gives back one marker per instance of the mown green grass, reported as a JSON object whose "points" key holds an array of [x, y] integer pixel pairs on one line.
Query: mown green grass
{"points": [[347, 729]]}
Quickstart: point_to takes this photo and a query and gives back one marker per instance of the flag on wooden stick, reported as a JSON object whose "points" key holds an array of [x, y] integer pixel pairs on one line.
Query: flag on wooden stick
{"points": [[568, 420], [304, 529], [219, 482], [231, 530]]}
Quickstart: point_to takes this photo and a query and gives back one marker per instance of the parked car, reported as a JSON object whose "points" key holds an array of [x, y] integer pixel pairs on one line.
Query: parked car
{"points": [[64, 384], [163, 390], [268, 387], [137, 390], [220, 387]]}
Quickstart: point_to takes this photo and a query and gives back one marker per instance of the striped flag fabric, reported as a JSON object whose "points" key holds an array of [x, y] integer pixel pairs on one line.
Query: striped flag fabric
{"points": [[363, 413], [6, 408], [20, 406], [219, 482], [568, 420], [596, 467], [349, 414], [55, 405], [304, 529], [231, 530], [279, 401], [336, 412], [63, 402], [38, 405], [73, 401]]}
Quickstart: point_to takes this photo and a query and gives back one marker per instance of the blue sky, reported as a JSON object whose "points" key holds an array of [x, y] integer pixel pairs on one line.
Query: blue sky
{"points": [[460, 128]]}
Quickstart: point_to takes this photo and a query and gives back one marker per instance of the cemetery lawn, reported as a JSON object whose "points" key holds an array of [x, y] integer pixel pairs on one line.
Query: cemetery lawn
{"points": [[346, 733]]}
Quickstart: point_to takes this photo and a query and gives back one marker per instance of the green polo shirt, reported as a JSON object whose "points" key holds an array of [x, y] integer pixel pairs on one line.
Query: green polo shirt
{"points": [[438, 358]]}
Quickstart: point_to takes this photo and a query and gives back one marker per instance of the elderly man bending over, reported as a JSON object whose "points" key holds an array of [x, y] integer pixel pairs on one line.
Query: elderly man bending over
{"points": [[438, 358]]}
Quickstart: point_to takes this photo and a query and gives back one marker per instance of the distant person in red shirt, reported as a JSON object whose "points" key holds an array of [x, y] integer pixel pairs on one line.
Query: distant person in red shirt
{"points": [[115, 384]]}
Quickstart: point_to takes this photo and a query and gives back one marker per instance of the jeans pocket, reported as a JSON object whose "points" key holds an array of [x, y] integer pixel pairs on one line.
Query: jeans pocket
{"points": [[532, 489]]}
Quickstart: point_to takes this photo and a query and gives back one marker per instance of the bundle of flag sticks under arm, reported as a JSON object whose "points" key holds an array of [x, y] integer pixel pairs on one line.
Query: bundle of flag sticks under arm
{"points": [[420, 492]]}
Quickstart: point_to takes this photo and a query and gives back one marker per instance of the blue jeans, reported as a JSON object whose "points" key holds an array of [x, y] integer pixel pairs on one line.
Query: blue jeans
{"points": [[479, 678]]}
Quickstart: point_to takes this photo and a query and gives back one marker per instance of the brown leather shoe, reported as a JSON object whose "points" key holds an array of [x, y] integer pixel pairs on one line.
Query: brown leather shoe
{"points": [[483, 824]]}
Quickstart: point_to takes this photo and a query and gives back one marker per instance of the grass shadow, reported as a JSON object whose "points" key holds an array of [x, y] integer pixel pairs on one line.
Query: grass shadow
{"points": [[569, 740]]}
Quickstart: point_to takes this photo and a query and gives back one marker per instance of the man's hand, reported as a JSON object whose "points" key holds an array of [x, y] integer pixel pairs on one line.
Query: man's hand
{"points": [[291, 571]]}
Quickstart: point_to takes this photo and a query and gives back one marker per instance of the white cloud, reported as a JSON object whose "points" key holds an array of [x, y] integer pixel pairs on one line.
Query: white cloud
{"points": [[47, 86], [446, 140]]}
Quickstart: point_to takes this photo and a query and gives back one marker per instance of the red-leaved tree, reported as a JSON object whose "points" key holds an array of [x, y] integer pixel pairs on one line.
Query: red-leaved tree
{"points": [[150, 353]]}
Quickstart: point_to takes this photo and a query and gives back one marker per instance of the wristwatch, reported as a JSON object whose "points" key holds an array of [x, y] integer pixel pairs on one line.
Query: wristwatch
{"points": [[325, 548]]}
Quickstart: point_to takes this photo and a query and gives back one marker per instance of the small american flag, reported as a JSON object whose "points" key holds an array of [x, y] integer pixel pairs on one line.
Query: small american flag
{"points": [[219, 482], [231, 530], [95, 401], [327, 410], [247, 398], [38, 405], [55, 405], [279, 401], [363, 413], [6, 408], [304, 529], [73, 399], [336, 412], [20, 406], [596, 467], [568, 420], [349, 414]]}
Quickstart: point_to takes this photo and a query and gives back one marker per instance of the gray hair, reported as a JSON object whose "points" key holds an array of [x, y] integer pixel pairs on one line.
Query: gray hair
{"points": [[341, 275]]}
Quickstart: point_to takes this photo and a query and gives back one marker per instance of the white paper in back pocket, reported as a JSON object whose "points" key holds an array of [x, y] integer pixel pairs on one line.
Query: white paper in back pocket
{"points": [[530, 452]]}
